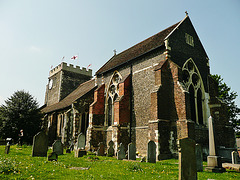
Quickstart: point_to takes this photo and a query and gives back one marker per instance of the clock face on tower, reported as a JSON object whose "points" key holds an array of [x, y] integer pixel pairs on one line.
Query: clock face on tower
{"points": [[50, 84]]}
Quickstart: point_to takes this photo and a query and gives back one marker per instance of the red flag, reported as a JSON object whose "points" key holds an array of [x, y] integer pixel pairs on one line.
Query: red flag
{"points": [[74, 57], [88, 66]]}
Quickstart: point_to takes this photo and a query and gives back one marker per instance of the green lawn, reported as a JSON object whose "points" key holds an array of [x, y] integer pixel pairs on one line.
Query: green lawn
{"points": [[19, 164]]}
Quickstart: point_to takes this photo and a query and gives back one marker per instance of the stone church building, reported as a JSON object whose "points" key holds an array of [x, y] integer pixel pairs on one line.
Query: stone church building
{"points": [[159, 89]]}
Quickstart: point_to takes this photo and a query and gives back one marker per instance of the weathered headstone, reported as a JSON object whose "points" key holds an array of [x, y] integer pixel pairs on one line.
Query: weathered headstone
{"points": [[52, 156], [187, 159], [151, 152], [214, 162], [81, 141], [7, 148], [131, 151], [58, 147], [101, 149], [199, 157], [111, 151], [40, 145], [234, 157], [121, 152]]}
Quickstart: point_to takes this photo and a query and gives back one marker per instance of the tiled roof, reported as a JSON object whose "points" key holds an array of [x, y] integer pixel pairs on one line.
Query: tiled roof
{"points": [[137, 50], [82, 89]]}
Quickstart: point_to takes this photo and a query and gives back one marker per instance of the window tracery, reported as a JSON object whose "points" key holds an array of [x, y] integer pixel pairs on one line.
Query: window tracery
{"points": [[193, 83], [112, 95]]}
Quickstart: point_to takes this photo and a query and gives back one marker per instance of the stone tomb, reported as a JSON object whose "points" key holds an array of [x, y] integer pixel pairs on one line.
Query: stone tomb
{"points": [[121, 152], [131, 151], [40, 145], [101, 149], [151, 152], [187, 159], [79, 153], [111, 151], [58, 147], [199, 157]]}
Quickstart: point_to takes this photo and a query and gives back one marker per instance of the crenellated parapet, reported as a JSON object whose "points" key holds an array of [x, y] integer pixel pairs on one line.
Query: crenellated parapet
{"points": [[65, 67]]}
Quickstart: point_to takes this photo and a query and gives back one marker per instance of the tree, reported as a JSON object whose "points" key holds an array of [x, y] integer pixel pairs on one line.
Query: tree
{"points": [[228, 97], [21, 111]]}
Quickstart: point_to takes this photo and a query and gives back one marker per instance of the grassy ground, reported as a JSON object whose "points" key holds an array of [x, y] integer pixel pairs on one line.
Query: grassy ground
{"points": [[19, 164]]}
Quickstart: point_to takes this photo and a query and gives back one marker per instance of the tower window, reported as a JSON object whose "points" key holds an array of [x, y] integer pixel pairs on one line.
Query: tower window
{"points": [[189, 39]]}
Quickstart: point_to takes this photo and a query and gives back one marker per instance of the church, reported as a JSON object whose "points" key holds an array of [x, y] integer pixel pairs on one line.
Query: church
{"points": [[159, 89]]}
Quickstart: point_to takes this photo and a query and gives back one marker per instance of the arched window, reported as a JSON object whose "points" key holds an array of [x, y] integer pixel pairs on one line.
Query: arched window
{"points": [[193, 83], [112, 95]]}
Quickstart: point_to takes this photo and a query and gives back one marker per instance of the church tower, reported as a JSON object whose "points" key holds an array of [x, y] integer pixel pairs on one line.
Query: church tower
{"points": [[62, 80]]}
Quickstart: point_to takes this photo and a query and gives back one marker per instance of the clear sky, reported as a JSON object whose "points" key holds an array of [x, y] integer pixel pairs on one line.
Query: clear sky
{"points": [[36, 34]]}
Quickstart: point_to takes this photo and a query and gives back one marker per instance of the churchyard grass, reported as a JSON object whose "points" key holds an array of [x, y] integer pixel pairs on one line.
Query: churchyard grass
{"points": [[19, 164]]}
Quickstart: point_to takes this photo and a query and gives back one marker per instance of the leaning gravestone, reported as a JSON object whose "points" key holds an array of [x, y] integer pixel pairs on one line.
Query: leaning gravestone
{"points": [[81, 141], [58, 147], [121, 152], [187, 159], [151, 152], [199, 157], [7, 148], [131, 151], [101, 148], [40, 145], [111, 151], [234, 157]]}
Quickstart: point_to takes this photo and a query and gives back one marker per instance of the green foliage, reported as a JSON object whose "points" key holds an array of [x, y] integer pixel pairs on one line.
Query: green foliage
{"points": [[228, 97], [21, 111]]}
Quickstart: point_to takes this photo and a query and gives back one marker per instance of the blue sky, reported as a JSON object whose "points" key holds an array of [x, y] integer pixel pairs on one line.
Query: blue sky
{"points": [[35, 35]]}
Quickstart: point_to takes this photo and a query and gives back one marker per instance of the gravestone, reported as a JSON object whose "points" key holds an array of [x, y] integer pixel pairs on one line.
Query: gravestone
{"points": [[101, 149], [40, 145], [7, 148], [111, 151], [58, 147], [79, 153], [199, 157], [151, 152], [81, 141], [121, 152], [234, 157], [187, 159], [52, 156], [131, 151]]}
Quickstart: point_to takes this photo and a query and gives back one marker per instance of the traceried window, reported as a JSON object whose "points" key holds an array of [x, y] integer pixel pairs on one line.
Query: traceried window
{"points": [[193, 83], [189, 39], [112, 95]]}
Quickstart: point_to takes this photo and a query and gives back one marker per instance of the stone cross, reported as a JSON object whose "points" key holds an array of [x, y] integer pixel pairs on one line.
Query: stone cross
{"points": [[187, 159], [121, 152], [131, 151], [101, 149], [151, 152], [81, 141], [234, 157], [58, 147], [40, 145], [111, 151]]}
